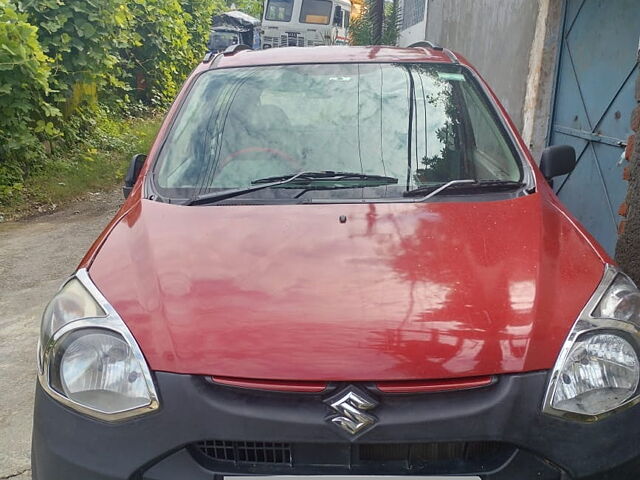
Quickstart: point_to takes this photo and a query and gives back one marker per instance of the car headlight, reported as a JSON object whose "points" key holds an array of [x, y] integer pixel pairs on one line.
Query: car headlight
{"points": [[621, 301], [598, 370], [73, 302], [88, 358]]}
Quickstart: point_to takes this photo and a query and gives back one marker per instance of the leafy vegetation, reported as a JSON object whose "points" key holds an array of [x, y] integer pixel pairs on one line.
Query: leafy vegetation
{"points": [[26, 118], [70, 70], [251, 7], [95, 164], [160, 56], [363, 29], [199, 21], [82, 37]]}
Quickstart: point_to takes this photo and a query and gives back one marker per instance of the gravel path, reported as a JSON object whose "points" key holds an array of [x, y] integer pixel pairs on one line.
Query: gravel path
{"points": [[36, 256]]}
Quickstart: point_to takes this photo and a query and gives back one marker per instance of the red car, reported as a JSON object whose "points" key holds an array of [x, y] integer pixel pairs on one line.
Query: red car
{"points": [[340, 261]]}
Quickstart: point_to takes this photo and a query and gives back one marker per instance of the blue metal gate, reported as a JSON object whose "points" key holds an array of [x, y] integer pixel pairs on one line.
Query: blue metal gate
{"points": [[593, 104]]}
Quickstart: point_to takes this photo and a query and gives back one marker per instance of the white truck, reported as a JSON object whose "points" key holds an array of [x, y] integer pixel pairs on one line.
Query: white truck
{"points": [[305, 23]]}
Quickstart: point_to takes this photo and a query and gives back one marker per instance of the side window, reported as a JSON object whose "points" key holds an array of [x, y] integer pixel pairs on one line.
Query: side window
{"points": [[491, 154], [337, 16], [346, 16]]}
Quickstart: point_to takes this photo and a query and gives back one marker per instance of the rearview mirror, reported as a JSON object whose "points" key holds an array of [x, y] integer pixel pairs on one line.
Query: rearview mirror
{"points": [[557, 160], [137, 162]]}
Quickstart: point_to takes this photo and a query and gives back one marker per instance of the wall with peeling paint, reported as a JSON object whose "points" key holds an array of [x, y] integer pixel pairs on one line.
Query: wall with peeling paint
{"points": [[543, 60], [628, 247]]}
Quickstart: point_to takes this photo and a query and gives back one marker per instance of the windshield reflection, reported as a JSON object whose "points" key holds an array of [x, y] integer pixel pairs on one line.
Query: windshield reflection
{"points": [[422, 123]]}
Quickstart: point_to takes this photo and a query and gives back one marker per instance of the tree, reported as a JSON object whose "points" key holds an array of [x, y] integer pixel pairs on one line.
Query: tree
{"points": [[161, 54], [201, 13], [25, 115], [369, 30], [83, 38], [250, 7]]}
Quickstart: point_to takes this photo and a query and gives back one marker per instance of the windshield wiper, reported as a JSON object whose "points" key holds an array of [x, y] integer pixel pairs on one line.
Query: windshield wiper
{"points": [[217, 197], [468, 185], [301, 178], [328, 176]]}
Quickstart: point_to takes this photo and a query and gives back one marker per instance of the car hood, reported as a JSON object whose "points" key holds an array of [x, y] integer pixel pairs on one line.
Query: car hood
{"points": [[398, 291]]}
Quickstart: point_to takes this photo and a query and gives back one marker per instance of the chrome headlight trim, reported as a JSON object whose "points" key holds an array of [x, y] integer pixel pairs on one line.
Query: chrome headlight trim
{"points": [[113, 323], [588, 324]]}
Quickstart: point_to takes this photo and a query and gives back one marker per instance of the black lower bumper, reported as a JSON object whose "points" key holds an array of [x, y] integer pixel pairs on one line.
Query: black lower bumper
{"points": [[203, 429]]}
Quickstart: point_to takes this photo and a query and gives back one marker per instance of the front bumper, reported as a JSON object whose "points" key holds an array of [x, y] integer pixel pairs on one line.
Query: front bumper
{"points": [[503, 433]]}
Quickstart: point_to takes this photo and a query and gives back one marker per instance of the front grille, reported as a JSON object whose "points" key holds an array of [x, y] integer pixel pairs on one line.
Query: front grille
{"points": [[291, 39], [246, 452], [273, 41], [275, 458], [417, 453]]}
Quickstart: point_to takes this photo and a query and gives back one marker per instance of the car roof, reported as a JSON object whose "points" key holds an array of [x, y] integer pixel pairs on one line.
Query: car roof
{"points": [[332, 54]]}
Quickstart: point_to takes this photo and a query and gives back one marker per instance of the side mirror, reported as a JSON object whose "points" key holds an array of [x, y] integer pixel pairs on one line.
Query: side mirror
{"points": [[557, 160], [137, 162]]}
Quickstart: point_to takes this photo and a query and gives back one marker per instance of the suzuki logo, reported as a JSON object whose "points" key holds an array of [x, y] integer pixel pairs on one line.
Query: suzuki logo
{"points": [[351, 407]]}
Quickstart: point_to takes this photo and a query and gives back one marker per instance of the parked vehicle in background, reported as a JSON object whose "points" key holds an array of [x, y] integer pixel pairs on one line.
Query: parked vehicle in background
{"points": [[234, 28], [305, 23]]}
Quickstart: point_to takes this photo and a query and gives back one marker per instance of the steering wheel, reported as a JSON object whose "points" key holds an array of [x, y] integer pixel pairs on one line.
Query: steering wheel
{"points": [[292, 162]]}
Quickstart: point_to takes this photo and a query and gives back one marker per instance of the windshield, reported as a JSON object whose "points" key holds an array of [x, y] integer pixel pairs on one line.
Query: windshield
{"points": [[279, 10], [315, 11], [422, 124], [222, 40]]}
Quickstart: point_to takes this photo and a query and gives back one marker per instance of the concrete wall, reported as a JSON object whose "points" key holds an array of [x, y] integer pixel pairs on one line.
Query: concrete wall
{"points": [[496, 36], [628, 247], [413, 33], [538, 102]]}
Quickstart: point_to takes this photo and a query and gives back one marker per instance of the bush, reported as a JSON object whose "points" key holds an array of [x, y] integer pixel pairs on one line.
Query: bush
{"points": [[362, 28], [160, 57], [84, 39], [84, 58], [199, 22], [95, 164], [25, 116]]}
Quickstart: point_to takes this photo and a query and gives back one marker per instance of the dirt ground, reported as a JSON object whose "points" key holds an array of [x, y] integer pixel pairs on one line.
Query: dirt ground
{"points": [[36, 256]]}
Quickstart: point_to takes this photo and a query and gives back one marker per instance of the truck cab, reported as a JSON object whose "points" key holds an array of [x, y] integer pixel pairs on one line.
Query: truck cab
{"points": [[305, 23], [233, 28], [221, 39]]}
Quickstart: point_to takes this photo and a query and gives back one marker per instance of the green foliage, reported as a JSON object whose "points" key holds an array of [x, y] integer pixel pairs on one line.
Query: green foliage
{"points": [[250, 7], [362, 28], [64, 63], [201, 13], [392, 23], [25, 116], [95, 164], [160, 56], [83, 37]]}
